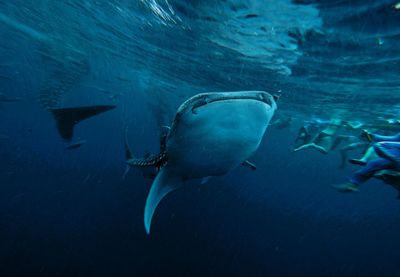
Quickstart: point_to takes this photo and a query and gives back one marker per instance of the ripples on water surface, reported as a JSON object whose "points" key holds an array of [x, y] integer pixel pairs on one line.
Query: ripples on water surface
{"points": [[327, 55]]}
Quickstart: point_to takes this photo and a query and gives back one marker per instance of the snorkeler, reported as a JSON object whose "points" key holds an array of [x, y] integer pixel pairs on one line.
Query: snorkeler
{"points": [[321, 135], [282, 122], [365, 145], [371, 138], [388, 150], [308, 132]]}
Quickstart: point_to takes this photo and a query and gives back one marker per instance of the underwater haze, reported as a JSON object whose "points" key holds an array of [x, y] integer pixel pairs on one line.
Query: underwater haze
{"points": [[65, 209]]}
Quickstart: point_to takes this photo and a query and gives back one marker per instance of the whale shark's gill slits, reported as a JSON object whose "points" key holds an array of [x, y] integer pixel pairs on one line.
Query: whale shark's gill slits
{"points": [[67, 118], [163, 138], [152, 160]]}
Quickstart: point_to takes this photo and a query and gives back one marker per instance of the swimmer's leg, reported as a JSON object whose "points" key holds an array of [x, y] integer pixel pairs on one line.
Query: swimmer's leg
{"points": [[304, 146], [323, 142], [311, 145], [322, 149], [365, 158], [365, 173], [361, 176], [346, 187], [345, 149]]}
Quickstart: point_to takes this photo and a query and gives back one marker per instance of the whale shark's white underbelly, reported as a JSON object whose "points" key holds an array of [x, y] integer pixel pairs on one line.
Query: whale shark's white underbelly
{"points": [[214, 140]]}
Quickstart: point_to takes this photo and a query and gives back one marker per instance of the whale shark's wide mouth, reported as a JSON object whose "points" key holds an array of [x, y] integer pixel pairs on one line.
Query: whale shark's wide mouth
{"points": [[203, 99]]}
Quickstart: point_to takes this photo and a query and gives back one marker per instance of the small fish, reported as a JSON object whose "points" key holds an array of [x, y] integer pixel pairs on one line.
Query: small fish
{"points": [[124, 79], [4, 98], [75, 145], [6, 78]]}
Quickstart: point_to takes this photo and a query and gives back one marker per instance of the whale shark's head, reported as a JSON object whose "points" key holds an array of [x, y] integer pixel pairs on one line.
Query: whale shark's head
{"points": [[217, 131]]}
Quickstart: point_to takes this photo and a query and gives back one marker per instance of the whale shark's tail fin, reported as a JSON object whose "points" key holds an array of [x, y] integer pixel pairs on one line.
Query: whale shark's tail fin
{"points": [[165, 182], [67, 118]]}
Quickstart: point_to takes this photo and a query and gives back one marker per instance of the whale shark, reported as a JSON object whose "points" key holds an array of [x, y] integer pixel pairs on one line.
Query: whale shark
{"points": [[211, 134]]}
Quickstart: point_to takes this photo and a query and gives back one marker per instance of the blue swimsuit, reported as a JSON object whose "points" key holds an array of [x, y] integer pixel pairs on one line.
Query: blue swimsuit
{"points": [[388, 150]]}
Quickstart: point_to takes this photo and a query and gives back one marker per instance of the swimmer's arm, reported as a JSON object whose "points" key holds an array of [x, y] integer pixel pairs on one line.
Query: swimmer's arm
{"points": [[376, 137]]}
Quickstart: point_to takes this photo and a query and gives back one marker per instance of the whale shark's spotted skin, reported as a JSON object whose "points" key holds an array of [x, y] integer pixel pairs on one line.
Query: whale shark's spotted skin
{"points": [[211, 134]]}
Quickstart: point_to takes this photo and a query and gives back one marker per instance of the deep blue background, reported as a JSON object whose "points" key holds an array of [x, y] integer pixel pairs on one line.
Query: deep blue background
{"points": [[69, 213]]}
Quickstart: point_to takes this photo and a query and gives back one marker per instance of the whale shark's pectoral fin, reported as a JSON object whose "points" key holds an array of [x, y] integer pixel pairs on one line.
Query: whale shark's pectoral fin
{"points": [[126, 171], [128, 152], [249, 164], [128, 155], [165, 182], [67, 118]]}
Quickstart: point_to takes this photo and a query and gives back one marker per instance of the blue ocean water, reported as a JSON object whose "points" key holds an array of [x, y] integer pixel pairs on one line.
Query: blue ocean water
{"points": [[69, 213]]}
